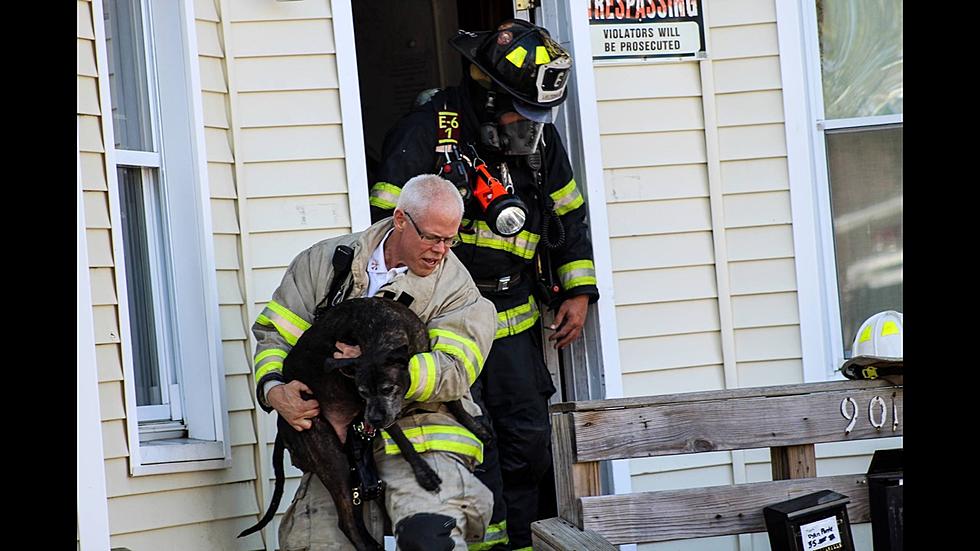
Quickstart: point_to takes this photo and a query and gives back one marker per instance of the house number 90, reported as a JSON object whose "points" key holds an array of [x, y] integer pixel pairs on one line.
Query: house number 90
{"points": [[877, 413]]}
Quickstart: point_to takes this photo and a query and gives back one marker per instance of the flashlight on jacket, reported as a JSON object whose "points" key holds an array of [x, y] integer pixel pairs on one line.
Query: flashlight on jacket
{"points": [[505, 212]]}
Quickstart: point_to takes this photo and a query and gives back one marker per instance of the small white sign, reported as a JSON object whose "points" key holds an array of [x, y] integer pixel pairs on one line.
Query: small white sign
{"points": [[820, 534], [639, 40]]}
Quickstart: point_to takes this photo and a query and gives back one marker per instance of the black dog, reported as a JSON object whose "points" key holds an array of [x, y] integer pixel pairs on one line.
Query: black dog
{"points": [[375, 383]]}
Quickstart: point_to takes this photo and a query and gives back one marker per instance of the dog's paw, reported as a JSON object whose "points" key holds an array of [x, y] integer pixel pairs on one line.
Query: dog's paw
{"points": [[483, 434], [428, 479]]}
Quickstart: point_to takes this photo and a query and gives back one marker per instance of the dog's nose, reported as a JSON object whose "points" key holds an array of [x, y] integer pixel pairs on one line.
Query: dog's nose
{"points": [[375, 419]]}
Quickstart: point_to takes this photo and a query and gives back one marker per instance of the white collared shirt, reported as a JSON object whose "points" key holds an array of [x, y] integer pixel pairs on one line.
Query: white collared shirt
{"points": [[378, 272]]}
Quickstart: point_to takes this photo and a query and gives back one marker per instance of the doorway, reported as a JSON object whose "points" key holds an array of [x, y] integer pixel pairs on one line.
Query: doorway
{"points": [[402, 49]]}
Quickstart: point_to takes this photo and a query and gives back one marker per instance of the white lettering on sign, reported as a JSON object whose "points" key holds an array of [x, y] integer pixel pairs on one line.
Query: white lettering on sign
{"points": [[822, 534]]}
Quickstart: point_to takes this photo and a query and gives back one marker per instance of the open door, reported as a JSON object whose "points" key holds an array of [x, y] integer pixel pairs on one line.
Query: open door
{"points": [[403, 49]]}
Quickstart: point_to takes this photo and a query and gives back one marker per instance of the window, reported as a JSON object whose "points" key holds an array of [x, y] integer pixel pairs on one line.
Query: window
{"points": [[842, 82], [141, 201], [860, 118], [168, 311]]}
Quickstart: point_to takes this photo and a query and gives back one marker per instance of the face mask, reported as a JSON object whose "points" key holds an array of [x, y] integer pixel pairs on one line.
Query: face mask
{"points": [[521, 137]]}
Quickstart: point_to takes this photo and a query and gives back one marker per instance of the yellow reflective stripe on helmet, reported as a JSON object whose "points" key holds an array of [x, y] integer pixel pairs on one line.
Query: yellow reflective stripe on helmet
{"points": [[496, 534], [263, 360], [265, 369], [567, 198], [384, 195], [438, 437], [422, 374], [517, 319], [577, 273], [523, 244], [516, 56], [472, 372], [469, 343], [889, 328], [865, 335], [541, 55]]}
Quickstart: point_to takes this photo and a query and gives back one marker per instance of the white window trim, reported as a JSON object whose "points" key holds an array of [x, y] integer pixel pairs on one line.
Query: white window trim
{"points": [[183, 454], [814, 255], [858, 122], [816, 293], [149, 159]]}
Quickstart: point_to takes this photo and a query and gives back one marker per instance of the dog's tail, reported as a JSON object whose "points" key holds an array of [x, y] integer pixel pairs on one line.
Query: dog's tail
{"points": [[277, 453]]}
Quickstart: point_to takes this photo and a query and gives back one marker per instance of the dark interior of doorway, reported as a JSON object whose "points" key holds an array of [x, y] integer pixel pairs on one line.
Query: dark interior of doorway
{"points": [[402, 49]]}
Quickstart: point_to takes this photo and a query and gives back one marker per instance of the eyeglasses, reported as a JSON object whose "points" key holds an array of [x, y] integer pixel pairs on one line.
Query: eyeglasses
{"points": [[432, 240]]}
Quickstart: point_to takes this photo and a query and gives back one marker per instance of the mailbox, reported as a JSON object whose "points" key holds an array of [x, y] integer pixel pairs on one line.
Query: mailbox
{"points": [[885, 494], [814, 522]]}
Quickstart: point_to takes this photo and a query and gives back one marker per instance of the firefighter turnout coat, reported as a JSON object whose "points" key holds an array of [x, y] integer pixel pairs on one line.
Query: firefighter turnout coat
{"points": [[460, 322]]}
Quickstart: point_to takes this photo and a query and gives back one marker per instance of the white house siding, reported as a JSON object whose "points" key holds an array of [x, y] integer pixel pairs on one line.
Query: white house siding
{"points": [[291, 171], [655, 152]]}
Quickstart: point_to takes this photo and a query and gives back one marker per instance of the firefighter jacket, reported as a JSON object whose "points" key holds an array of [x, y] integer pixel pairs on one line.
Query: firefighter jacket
{"points": [[460, 323], [410, 149]]}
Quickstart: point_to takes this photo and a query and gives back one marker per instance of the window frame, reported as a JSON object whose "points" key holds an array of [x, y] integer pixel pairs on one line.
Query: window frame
{"points": [[183, 157], [818, 294]]}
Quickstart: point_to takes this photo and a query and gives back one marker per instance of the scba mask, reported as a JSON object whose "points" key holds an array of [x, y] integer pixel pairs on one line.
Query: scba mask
{"points": [[510, 133], [520, 137]]}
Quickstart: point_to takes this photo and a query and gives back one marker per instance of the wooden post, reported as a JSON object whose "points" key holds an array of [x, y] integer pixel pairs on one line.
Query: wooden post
{"points": [[572, 480], [792, 462]]}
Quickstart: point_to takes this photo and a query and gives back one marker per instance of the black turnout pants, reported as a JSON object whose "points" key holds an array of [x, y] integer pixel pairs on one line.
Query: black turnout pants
{"points": [[513, 389]]}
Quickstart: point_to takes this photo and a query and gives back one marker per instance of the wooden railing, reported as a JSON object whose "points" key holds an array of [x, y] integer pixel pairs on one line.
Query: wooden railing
{"points": [[787, 419]]}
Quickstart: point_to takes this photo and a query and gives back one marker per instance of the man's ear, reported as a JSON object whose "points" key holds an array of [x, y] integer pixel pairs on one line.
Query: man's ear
{"points": [[347, 366], [399, 219]]}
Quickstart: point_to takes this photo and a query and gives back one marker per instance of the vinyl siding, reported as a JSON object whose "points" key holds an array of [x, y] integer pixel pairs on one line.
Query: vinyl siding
{"points": [[224, 498], [662, 234], [290, 162], [99, 240]]}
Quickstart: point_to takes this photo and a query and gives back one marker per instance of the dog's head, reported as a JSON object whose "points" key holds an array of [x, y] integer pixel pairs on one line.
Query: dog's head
{"points": [[381, 378]]}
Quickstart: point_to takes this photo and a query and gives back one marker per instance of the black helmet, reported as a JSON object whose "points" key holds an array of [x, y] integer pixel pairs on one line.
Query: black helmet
{"points": [[522, 59]]}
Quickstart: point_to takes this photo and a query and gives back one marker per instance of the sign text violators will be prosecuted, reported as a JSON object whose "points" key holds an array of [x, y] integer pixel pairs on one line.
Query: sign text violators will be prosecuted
{"points": [[641, 29]]}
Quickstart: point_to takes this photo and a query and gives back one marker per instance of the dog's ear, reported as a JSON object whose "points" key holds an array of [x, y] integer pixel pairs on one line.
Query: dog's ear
{"points": [[399, 355], [345, 365]]}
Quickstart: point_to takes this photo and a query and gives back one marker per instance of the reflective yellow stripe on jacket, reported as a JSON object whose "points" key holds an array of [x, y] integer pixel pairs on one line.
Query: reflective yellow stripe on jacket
{"points": [[523, 244], [288, 324], [459, 347], [575, 274], [268, 360], [517, 319], [422, 374], [384, 195], [447, 438], [567, 198], [496, 534]]}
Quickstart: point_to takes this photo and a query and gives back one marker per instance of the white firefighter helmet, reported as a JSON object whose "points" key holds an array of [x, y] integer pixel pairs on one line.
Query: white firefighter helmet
{"points": [[877, 348]]}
